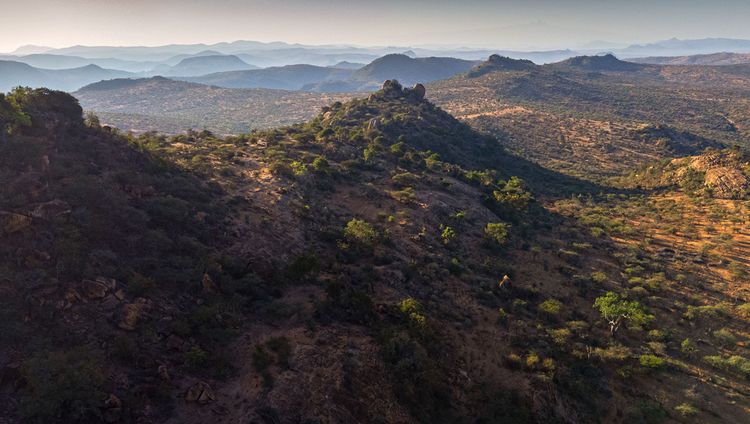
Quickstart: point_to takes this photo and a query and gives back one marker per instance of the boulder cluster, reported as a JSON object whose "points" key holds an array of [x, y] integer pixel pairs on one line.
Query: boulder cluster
{"points": [[393, 89]]}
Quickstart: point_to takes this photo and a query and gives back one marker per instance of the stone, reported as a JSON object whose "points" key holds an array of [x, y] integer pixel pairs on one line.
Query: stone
{"points": [[419, 91], [163, 372], [130, 314], [120, 294], [72, 296], [373, 124], [51, 209], [111, 283], [11, 223], [174, 342], [392, 88], [112, 409], [505, 283], [209, 286], [201, 393], [110, 303], [94, 289]]}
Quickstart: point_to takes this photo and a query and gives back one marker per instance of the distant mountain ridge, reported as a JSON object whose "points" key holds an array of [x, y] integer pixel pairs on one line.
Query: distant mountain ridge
{"points": [[13, 74], [713, 59], [202, 65]]}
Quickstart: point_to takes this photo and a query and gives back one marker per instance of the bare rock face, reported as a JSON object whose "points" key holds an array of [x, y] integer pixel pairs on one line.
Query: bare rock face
{"points": [[201, 392], [727, 182]]}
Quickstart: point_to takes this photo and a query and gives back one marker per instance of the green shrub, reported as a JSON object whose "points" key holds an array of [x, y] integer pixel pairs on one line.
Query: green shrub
{"points": [[744, 310], [652, 362], [497, 232], [62, 386], [320, 164], [361, 232], [615, 352], [411, 308], [599, 277], [706, 311], [196, 358], [686, 410], [734, 363], [448, 235], [725, 337], [551, 307], [686, 346], [657, 335]]}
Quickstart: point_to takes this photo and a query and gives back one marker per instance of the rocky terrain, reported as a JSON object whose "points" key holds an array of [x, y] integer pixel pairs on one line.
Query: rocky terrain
{"points": [[382, 262]]}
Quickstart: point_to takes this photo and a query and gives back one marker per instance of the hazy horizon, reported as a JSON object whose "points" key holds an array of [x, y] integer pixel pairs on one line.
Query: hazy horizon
{"points": [[534, 24]]}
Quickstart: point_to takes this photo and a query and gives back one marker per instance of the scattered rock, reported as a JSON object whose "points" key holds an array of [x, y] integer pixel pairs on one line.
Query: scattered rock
{"points": [[174, 342], [120, 294], [72, 296], [13, 222], [110, 303], [94, 289], [209, 286], [131, 313], [373, 124], [163, 372], [51, 209], [112, 409], [201, 393], [505, 283]]}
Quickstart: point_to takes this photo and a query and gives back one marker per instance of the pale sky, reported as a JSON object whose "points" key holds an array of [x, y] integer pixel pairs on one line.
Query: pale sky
{"points": [[511, 24]]}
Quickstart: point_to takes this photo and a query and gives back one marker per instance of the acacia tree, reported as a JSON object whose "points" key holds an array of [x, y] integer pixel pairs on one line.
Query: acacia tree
{"points": [[617, 310]]}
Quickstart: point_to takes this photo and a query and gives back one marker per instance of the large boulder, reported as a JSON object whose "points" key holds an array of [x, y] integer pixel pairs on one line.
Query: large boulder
{"points": [[419, 91], [201, 392]]}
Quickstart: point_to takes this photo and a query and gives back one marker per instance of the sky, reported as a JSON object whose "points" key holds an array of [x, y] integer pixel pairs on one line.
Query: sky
{"points": [[498, 24]]}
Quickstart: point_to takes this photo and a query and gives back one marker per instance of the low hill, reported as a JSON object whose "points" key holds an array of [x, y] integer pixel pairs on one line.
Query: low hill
{"points": [[410, 70], [714, 59], [291, 77], [500, 63], [174, 106], [13, 74], [208, 64], [606, 62]]}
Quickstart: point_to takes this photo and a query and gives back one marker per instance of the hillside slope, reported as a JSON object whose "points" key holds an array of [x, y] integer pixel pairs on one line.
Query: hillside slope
{"points": [[160, 104], [598, 116], [381, 262]]}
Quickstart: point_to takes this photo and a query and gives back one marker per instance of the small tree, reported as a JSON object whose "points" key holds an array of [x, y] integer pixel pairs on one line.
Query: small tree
{"points": [[498, 232], [617, 310], [360, 231]]}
